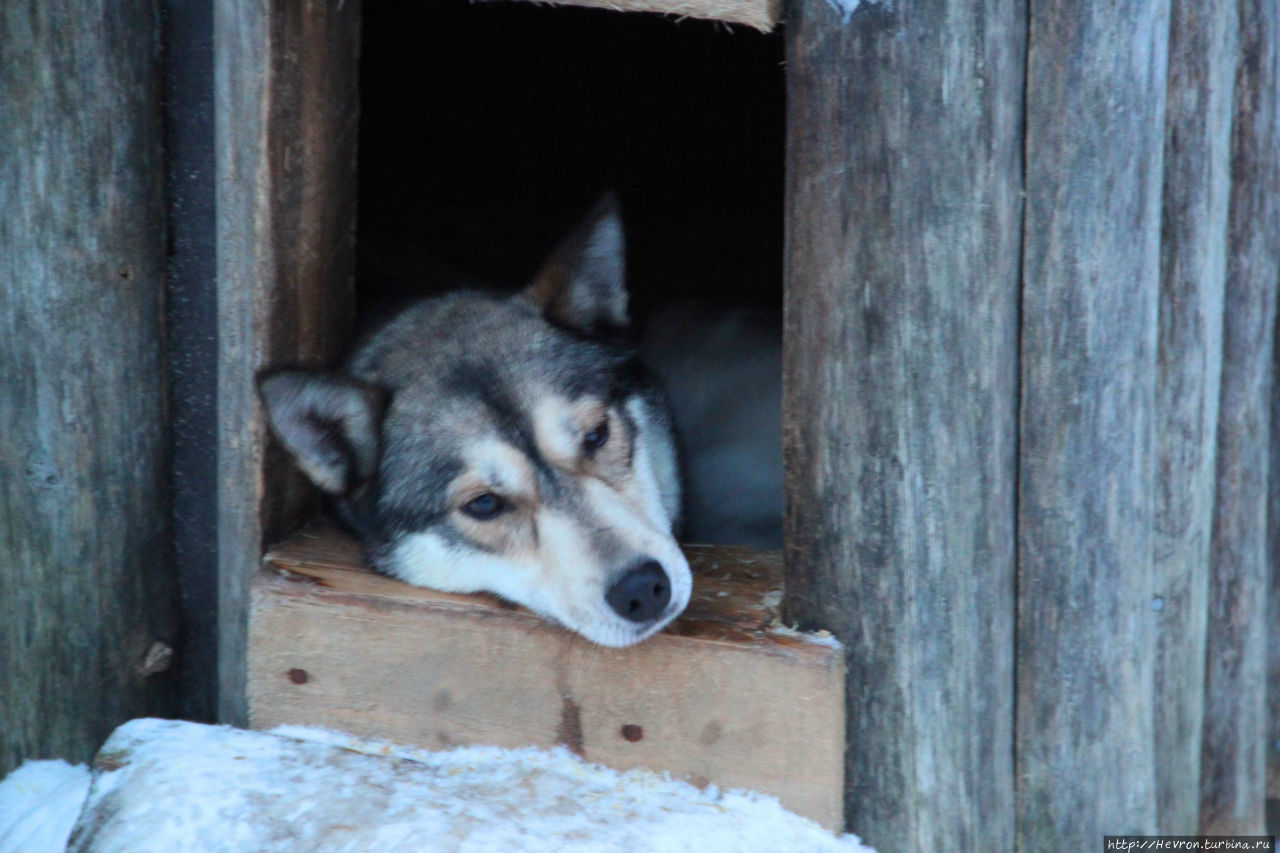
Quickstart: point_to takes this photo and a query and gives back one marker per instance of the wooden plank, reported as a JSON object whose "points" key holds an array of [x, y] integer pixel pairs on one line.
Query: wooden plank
{"points": [[903, 218], [85, 579], [1193, 259], [763, 15], [723, 696], [1233, 769], [1273, 635], [1091, 275], [285, 136]]}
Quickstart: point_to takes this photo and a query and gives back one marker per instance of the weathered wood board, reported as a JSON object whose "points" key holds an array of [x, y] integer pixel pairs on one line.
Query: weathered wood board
{"points": [[86, 589], [1096, 86], [1233, 769], [286, 106], [900, 398], [720, 697], [1197, 181]]}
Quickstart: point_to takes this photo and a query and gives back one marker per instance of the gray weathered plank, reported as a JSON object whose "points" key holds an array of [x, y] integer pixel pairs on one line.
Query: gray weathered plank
{"points": [[85, 576], [903, 215], [1273, 624], [286, 100], [1233, 764], [1091, 273], [1193, 258]]}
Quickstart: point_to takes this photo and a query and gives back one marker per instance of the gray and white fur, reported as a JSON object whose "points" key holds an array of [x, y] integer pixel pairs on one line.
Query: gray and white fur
{"points": [[512, 444]]}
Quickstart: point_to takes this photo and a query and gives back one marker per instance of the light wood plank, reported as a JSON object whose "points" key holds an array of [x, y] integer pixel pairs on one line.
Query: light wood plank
{"points": [[720, 697], [762, 15]]}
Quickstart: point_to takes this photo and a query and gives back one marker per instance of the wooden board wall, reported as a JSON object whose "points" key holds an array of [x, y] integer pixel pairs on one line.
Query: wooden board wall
{"points": [[1233, 772], [1142, 403], [85, 576], [285, 139], [900, 393]]}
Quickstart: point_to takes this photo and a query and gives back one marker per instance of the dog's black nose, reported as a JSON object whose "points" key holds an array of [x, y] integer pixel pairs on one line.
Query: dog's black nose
{"points": [[641, 594]]}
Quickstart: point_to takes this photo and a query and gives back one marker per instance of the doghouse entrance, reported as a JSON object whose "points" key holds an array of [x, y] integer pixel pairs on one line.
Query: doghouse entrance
{"points": [[486, 132]]}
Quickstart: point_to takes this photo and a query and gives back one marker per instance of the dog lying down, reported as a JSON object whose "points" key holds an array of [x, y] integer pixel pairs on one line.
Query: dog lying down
{"points": [[512, 444]]}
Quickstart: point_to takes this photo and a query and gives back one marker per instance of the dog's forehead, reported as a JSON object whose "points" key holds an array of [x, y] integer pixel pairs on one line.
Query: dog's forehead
{"points": [[472, 345]]}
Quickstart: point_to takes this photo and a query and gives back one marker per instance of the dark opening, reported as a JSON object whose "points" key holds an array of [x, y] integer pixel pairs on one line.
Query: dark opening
{"points": [[488, 129]]}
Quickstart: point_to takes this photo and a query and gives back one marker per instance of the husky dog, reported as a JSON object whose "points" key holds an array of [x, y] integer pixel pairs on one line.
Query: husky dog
{"points": [[508, 444]]}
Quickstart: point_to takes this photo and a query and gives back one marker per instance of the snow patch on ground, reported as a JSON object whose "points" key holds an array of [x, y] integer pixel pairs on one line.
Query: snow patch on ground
{"points": [[39, 803], [173, 786]]}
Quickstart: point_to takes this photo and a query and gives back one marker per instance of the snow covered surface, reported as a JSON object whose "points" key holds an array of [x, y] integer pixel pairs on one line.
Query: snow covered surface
{"points": [[172, 786], [39, 803]]}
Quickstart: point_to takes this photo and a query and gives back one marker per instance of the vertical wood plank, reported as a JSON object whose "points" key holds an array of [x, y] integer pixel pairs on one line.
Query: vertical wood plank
{"points": [[1193, 259], [85, 571], [287, 111], [1273, 616], [903, 217], [1233, 763], [1091, 273]]}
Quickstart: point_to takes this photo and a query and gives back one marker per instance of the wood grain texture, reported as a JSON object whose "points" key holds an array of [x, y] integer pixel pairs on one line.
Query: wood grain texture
{"points": [[721, 696], [1273, 636], [285, 137], [1091, 274], [900, 390], [85, 575], [1193, 265], [1233, 764]]}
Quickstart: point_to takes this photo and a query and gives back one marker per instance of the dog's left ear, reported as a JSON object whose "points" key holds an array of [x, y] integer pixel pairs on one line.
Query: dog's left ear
{"points": [[583, 284]]}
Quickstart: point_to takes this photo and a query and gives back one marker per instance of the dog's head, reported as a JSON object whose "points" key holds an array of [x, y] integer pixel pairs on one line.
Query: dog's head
{"points": [[507, 444]]}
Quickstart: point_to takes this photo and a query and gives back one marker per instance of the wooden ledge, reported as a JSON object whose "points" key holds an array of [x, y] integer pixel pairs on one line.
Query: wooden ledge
{"points": [[725, 695]]}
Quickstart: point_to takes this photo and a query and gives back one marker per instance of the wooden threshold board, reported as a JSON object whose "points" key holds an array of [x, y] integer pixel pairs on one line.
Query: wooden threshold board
{"points": [[725, 695]]}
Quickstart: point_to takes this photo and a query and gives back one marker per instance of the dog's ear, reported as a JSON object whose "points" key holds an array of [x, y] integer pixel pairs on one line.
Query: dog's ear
{"points": [[583, 284], [329, 424]]}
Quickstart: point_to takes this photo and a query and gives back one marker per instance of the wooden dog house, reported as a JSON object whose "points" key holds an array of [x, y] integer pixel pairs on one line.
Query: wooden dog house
{"points": [[1031, 263]]}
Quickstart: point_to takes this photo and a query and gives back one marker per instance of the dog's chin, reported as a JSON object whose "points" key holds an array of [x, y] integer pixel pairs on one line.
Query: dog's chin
{"points": [[617, 633], [620, 635]]}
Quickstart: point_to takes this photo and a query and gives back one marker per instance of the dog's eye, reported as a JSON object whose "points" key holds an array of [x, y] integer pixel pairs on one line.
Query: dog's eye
{"points": [[596, 439], [484, 507]]}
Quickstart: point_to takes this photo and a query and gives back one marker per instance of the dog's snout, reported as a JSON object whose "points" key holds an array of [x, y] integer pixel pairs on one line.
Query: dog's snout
{"points": [[641, 594]]}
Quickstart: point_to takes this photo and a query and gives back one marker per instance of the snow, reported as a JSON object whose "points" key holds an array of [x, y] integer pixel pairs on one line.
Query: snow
{"points": [[39, 803], [172, 786]]}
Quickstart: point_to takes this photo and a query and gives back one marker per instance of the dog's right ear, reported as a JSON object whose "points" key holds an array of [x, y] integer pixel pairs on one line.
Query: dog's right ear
{"points": [[328, 423]]}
